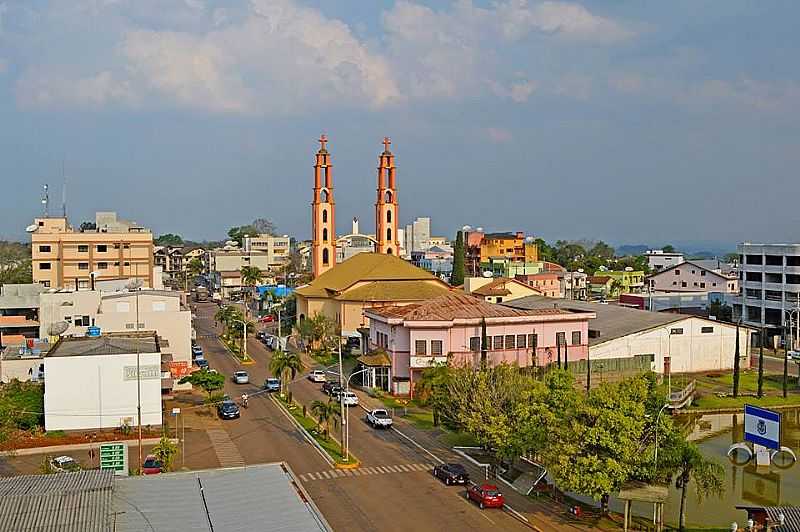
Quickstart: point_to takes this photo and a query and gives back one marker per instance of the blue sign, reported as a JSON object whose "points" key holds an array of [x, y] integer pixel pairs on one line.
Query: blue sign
{"points": [[93, 331], [762, 427]]}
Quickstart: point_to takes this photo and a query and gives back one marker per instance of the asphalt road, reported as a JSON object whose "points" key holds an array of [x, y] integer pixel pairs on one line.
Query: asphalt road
{"points": [[392, 490]]}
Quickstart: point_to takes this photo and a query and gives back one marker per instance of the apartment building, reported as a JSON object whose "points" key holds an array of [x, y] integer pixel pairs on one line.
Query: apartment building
{"points": [[65, 257], [770, 285], [690, 276], [277, 248], [658, 259]]}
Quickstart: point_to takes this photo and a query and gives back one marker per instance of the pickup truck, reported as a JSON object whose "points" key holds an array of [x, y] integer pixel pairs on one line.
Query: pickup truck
{"points": [[379, 419]]}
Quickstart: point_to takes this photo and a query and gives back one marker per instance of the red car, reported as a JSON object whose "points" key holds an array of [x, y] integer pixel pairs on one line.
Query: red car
{"points": [[151, 465], [266, 319], [487, 496]]}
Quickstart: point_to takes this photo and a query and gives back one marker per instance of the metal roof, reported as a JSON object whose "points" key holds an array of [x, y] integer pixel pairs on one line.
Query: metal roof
{"points": [[791, 517], [63, 502], [261, 497], [107, 344]]}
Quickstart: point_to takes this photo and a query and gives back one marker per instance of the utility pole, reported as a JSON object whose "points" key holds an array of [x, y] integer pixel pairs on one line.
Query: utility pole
{"points": [[736, 363], [346, 457], [761, 364], [138, 384], [786, 359]]}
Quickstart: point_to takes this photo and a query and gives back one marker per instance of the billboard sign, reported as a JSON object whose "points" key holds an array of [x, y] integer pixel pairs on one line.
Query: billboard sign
{"points": [[179, 370], [762, 427], [114, 456]]}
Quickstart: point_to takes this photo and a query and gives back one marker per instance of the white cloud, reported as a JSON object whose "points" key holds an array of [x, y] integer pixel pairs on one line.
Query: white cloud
{"points": [[518, 91], [499, 135], [42, 89]]}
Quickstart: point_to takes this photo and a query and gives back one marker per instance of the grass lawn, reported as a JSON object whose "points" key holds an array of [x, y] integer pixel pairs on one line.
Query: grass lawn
{"points": [[712, 401], [329, 444], [710, 384], [459, 439]]}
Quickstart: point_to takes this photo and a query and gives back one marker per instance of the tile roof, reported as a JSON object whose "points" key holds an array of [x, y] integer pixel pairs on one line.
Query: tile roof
{"points": [[365, 267], [459, 306], [107, 344], [599, 279], [498, 287], [17, 321], [394, 291], [63, 502]]}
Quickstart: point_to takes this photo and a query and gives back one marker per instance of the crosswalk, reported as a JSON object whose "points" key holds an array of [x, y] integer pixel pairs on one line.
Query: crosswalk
{"points": [[227, 453], [332, 474]]}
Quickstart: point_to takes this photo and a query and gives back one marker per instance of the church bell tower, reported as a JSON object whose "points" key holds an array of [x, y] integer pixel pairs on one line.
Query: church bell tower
{"points": [[386, 205], [323, 220]]}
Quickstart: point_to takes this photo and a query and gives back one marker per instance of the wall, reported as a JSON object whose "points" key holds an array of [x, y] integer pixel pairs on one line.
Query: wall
{"points": [[19, 368], [697, 280], [105, 398], [691, 352]]}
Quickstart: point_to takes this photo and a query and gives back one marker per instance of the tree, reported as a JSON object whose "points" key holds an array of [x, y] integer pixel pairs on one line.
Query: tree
{"points": [[546, 251], [602, 251], [169, 239], [283, 362], [318, 332], [616, 288], [165, 452], [457, 277], [17, 273], [195, 267], [669, 248], [720, 310], [326, 413], [238, 233], [251, 276], [264, 226], [431, 389], [708, 477], [209, 381]]}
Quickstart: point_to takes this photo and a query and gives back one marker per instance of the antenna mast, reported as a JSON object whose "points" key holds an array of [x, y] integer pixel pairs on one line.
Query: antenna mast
{"points": [[46, 202], [64, 189]]}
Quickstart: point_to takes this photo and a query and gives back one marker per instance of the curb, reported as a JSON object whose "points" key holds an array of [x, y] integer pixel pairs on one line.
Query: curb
{"points": [[27, 451], [327, 457]]}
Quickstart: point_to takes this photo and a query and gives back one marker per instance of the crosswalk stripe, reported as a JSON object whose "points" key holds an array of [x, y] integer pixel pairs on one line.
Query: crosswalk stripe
{"points": [[356, 472], [319, 476], [384, 469], [393, 469], [326, 474], [405, 468], [371, 470], [418, 467], [341, 473], [348, 473], [302, 477]]}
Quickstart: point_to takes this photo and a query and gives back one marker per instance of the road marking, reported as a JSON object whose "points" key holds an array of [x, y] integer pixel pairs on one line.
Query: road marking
{"points": [[227, 453], [326, 474], [319, 476], [372, 471], [302, 476]]}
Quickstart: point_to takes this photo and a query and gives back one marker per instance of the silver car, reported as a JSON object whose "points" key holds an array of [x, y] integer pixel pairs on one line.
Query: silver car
{"points": [[241, 377]]}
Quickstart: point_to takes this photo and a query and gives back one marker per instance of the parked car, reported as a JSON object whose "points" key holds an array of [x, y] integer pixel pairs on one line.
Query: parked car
{"points": [[272, 384], [379, 418], [260, 335], [317, 376], [486, 495], [65, 464], [197, 351], [228, 410], [202, 363], [241, 377], [266, 319], [794, 355], [451, 473], [328, 387], [151, 465], [349, 398]]}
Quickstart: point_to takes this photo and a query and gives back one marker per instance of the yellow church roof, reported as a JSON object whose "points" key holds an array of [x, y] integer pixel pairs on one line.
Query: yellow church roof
{"points": [[393, 278]]}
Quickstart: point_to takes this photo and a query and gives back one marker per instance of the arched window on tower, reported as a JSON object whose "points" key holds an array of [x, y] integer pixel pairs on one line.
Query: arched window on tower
{"points": [[389, 233], [388, 196], [324, 215], [324, 234], [325, 259], [389, 216], [388, 251], [323, 196]]}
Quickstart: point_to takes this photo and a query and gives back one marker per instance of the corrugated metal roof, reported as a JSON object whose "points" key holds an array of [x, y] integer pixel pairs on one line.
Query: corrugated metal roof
{"points": [[63, 502], [107, 344], [791, 517]]}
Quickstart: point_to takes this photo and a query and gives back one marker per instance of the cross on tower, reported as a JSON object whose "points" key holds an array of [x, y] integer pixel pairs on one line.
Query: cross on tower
{"points": [[386, 143], [322, 141]]}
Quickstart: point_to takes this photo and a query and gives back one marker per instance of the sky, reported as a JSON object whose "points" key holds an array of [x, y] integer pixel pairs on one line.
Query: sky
{"points": [[623, 120]]}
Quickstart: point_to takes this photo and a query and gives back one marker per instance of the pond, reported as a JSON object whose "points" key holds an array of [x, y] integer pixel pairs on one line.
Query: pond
{"points": [[744, 485]]}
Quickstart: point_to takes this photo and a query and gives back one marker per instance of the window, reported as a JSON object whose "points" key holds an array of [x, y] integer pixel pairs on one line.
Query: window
{"points": [[498, 299], [325, 234], [325, 259], [420, 348], [678, 330], [674, 283], [83, 248], [695, 283], [102, 248], [46, 284], [44, 265], [683, 284], [533, 341], [81, 321], [324, 215], [707, 330], [561, 338], [510, 341], [44, 249], [520, 341], [702, 273], [83, 265], [702, 285], [102, 265], [116, 264], [474, 344], [83, 284], [498, 342], [388, 233], [713, 284], [692, 272], [677, 272], [576, 338], [116, 246], [389, 216], [126, 246], [436, 348]]}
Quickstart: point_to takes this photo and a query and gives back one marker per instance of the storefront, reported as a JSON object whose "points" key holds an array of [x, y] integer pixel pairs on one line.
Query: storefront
{"points": [[378, 372]]}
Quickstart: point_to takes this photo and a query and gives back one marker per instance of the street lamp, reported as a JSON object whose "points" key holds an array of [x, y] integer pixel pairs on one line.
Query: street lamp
{"points": [[347, 414], [655, 452]]}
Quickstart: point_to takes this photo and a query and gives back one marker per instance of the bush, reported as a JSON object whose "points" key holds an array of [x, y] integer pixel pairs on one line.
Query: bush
{"points": [[21, 405]]}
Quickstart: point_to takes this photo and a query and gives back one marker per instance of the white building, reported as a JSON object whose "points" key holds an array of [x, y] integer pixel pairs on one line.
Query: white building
{"points": [[770, 285], [658, 259], [277, 248], [417, 235], [689, 276], [92, 382], [663, 342]]}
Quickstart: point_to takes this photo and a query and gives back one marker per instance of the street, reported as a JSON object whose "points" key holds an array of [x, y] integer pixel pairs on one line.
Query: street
{"points": [[392, 488]]}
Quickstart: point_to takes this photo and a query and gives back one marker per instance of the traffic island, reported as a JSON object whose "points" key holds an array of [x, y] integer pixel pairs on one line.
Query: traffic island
{"points": [[310, 428]]}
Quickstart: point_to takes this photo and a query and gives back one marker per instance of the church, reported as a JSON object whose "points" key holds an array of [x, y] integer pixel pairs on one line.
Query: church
{"points": [[342, 291]]}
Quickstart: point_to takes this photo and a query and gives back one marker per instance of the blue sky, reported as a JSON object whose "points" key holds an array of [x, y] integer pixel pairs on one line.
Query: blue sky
{"points": [[626, 121]]}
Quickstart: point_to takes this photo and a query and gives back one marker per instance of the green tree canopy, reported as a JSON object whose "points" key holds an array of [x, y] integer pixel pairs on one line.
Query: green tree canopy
{"points": [[264, 226], [457, 277], [165, 452], [237, 233], [208, 381], [169, 239]]}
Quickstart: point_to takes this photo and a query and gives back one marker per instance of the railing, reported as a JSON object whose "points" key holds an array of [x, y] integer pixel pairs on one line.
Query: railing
{"points": [[683, 397]]}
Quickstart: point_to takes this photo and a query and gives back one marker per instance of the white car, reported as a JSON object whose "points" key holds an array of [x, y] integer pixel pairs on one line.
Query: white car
{"points": [[794, 355], [65, 464], [379, 419], [317, 376], [241, 377], [349, 398]]}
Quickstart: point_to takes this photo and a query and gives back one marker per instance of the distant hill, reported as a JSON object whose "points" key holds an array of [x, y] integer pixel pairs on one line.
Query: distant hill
{"points": [[631, 249]]}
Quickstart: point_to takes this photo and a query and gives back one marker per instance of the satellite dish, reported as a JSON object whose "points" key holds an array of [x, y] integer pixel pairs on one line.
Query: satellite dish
{"points": [[480, 229], [134, 284], [488, 274], [32, 228], [529, 239], [466, 228], [580, 270], [57, 328], [628, 269]]}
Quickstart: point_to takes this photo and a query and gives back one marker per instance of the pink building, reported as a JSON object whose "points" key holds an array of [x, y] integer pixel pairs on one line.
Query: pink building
{"points": [[448, 330]]}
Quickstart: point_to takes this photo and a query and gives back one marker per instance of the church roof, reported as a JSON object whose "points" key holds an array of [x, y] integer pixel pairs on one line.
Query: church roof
{"points": [[389, 274]]}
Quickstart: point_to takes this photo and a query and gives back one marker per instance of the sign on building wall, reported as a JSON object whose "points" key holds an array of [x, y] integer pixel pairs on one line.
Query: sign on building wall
{"points": [[145, 372], [179, 370], [114, 456], [762, 426]]}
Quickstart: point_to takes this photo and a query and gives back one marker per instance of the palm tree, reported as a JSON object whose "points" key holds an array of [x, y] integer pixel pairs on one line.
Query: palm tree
{"points": [[326, 414], [616, 288], [708, 477], [224, 315], [282, 362], [195, 267], [251, 276]]}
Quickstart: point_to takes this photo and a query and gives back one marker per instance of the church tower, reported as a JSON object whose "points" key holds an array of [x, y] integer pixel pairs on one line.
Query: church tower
{"points": [[386, 206], [323, 220]]}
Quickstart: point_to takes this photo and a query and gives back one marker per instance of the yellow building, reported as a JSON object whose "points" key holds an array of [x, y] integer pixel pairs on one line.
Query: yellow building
{"points": [[363, 281], [63, 257], [498, 289], [513, 246]]}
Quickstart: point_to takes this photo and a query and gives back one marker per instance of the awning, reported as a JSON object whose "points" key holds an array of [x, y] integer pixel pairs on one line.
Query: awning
{"points": [[376, 359]]}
